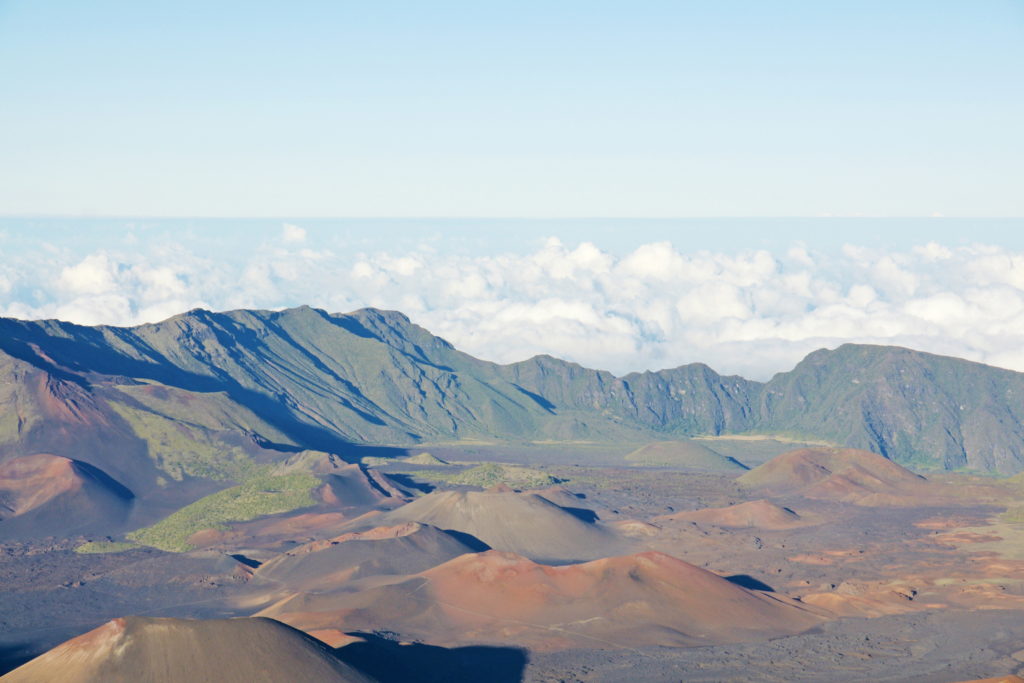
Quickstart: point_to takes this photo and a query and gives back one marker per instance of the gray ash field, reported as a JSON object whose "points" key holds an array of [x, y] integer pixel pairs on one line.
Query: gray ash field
{"points": [[900, 587], [938, 646]]}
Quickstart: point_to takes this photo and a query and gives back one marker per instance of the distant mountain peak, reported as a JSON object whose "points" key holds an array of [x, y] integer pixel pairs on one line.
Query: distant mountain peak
{"points": [[302, 377]]}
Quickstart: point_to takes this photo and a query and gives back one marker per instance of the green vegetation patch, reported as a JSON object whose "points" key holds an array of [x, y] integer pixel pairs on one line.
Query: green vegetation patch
{"points": [[261, 495], [491, 474], [98, 547], [181, 449], [796, 439], [1014, 515]]}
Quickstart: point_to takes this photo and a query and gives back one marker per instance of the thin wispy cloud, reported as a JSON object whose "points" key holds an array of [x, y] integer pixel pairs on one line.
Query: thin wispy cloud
{"points": [[752, 312]]}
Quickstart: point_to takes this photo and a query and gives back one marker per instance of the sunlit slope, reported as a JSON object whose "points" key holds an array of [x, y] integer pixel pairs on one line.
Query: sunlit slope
{"points": [[648, 599], [142, 434], [912, 407], [327, 564], [524, 523], [308, 377], [46, 494], [151, 650], [756, 514], [201, 394]]}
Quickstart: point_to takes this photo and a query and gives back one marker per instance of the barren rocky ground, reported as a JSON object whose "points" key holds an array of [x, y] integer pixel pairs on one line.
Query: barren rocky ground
{"points": [[929, 590]]}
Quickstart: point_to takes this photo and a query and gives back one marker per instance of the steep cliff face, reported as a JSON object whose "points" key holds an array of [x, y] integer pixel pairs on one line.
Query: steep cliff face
{"points": [[912, 407], [692, 399], [201, 394]]}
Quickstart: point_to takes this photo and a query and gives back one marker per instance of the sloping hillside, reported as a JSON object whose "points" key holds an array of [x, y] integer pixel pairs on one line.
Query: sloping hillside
{"points": [[912, 407], [45, 494], [203, 395], [524, 523], [629, 601], [151, 650]]}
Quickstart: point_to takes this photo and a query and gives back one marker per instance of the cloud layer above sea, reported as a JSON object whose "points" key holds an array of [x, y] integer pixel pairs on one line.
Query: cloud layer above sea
{"points": [[752, 312]]}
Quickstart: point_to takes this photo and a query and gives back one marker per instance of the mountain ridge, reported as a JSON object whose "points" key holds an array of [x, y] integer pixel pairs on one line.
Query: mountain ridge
{"points": [[252, 383]]}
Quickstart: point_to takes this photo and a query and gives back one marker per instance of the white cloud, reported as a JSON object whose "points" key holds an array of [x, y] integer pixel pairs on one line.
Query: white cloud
{"points": [[712, 301], [404, 266], [363, 270], [748, 312], [798, 253], [95, 274], [933, 252], [861, 296], [292, 234], [658, 261]]}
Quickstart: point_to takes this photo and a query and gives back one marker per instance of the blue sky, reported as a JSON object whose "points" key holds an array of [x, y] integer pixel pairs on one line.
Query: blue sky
{"points": [[512, 109], [516, 176]]}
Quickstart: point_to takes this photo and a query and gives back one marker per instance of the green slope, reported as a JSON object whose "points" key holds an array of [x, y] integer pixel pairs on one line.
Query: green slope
{"points": [[913, 407], [201, 394], [262, 495]]}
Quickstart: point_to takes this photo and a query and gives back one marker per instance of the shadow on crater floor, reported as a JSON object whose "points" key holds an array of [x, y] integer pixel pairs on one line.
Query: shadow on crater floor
{"points": [[749, 582], [390, 662]]}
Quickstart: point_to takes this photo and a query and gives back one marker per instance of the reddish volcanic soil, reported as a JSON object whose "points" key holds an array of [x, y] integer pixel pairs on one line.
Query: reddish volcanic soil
{"points": [[759, 514], [46, 491], [853, 476], [33, 480], [344, 484], [619, 602], [839, 565], [842, 474], [141, 649], [524, 523], [382, 551]]}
